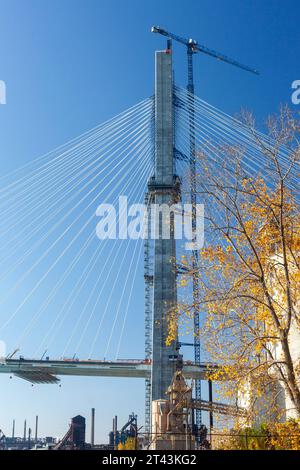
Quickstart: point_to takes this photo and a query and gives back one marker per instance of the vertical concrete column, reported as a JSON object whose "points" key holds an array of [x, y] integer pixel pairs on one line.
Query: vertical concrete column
{"points": [[164, 158], [163, 187]]}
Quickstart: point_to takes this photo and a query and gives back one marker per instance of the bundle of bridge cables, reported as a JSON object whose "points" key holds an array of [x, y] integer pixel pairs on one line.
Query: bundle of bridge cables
{"points": [[64, 290]]}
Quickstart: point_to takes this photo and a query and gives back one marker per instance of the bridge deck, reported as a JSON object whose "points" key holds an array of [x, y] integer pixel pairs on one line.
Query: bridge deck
{"points": [[46, 371]]}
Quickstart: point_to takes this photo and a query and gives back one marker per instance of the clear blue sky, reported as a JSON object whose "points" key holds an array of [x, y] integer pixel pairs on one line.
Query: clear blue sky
{"points": [[69, 65]]}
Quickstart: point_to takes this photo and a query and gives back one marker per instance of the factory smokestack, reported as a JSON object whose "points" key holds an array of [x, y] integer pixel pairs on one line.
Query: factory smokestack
{"points": [[115, 430], [29, 438], [93, 427], [24, 436], [36, 428], [13, 430]]}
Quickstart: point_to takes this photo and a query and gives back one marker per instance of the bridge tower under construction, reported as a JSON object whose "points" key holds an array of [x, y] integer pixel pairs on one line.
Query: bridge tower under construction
{"points": [[163, 189]]}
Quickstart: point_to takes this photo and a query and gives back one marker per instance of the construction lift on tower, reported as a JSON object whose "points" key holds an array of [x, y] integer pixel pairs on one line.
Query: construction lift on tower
{"points": [[192, 48]]}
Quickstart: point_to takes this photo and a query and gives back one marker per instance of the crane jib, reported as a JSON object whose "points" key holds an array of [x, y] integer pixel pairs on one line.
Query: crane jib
{"points": [[195, 47]]}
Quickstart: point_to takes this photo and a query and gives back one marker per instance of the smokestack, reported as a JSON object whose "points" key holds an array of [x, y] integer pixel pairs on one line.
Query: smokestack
{"points": [[24, 436], [13, 430], [29, 438], [93, 427], [115, 429], [36, 428]]}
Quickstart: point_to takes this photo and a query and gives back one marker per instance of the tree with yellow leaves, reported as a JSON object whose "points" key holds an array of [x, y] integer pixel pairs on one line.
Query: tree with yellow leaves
{"points": [[271, 436], [130, 444], [249, 269]]}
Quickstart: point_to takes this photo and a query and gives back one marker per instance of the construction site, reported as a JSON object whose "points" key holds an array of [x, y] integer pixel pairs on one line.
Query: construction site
{"points": [[171, 151]]}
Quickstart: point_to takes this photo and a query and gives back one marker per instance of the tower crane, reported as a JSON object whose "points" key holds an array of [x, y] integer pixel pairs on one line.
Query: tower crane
{"points": [[192, 48]]}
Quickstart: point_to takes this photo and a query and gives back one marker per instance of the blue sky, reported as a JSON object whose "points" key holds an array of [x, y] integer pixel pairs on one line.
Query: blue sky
{"points": [[68, 66]]}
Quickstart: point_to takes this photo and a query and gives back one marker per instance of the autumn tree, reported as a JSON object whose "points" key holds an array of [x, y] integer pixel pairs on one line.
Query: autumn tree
{"points": [[271, 436], [249, 268], [130, 444]]}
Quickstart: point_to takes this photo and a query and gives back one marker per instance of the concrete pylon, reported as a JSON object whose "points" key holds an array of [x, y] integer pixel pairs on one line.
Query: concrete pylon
{"points": [[165, 189]]}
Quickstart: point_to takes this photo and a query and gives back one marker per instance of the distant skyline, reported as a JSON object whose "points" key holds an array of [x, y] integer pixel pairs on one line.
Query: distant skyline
{"points": [[69, 65]]}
